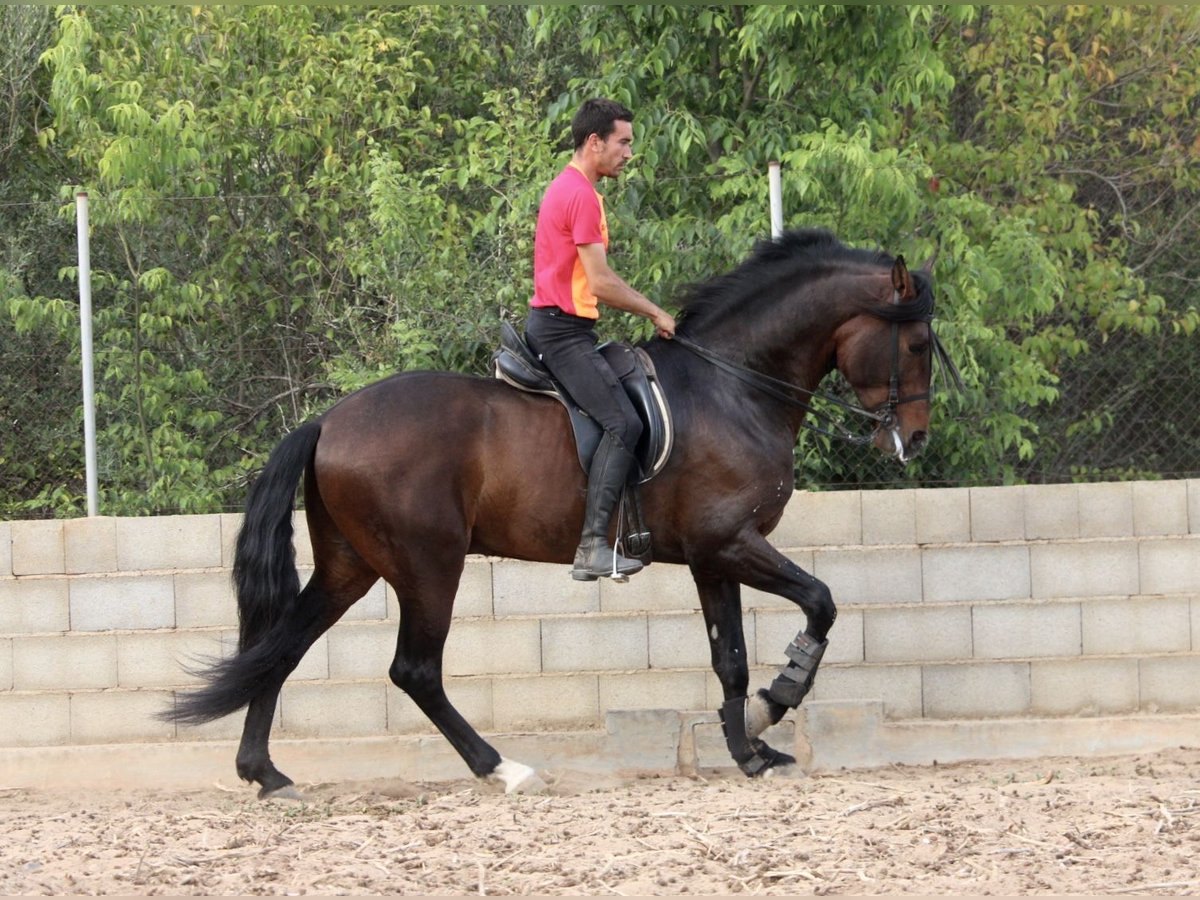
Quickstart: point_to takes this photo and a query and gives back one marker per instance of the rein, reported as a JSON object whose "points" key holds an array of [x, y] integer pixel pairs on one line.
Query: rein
{"points": [[884, 415]]}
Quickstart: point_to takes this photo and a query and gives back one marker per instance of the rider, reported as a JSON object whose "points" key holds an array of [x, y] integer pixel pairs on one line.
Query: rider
{"points": [[571, 277]]}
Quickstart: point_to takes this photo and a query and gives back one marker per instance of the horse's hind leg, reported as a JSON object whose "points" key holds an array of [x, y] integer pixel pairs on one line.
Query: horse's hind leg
{"points": [[321, 605], [426, 604]]}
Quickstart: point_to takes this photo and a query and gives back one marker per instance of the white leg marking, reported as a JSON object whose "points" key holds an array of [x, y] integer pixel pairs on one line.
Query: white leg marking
{"points": [[517, 777], [758, 716]]}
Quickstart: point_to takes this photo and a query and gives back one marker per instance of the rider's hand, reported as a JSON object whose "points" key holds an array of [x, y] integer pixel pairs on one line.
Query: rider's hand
{"points": [[664, 324]]}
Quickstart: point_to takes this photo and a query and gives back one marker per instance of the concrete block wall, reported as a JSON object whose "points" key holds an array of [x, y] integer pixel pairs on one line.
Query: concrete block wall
{"points": [[962, 603]]}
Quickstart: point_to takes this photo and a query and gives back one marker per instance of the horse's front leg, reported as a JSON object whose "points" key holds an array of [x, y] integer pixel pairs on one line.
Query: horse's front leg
{"points": [[743, 719], [752, 561]]}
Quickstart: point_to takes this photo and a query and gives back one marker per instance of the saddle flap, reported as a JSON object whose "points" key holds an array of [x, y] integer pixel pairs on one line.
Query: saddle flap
{"points": [[517, 365]]}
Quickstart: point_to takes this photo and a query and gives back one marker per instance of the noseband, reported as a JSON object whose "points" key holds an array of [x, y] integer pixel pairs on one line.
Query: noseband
{"points": [[885, 416]]}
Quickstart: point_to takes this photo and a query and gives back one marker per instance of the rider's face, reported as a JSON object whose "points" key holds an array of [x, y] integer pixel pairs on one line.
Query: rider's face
{"points": [[615, 150]]}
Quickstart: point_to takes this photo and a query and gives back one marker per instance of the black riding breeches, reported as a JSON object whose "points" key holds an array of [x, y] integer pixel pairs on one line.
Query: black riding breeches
{"points": [[567, 347]]}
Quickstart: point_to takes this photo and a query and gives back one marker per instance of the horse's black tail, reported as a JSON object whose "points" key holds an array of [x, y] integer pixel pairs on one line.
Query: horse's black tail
{"points": [[264, 574]]}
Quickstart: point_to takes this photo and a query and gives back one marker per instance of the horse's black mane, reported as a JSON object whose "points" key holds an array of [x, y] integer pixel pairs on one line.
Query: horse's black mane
{"points": [[797, 255]]}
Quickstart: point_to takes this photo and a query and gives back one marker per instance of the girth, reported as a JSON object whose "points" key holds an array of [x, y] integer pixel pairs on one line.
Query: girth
{"points": [[517, 365]]}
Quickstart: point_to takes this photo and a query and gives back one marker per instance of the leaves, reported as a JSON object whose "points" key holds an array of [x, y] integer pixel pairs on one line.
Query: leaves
{"points": [[292, 201]]}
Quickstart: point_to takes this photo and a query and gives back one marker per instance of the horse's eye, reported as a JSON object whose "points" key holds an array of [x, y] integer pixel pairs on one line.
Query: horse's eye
{"points": [[918, 349]]}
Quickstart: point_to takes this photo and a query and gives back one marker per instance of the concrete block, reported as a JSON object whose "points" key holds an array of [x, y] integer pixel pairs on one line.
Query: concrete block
{"points": [[334, 709], [1106, 510], [314, 666], [31, 605], [594, 643], [1021, 630], [167, 658], [5, 549], [660, 587], [204, 599], [1196, 624], [681, 641], [108, 717], [474, 597], [976, 690], [301, 541], [557, 700], [1086, 569], [533, 589], [38, 548], [34, 720], [1136, 625], [652, 690], [6, 664], [889, 517], [943, 515], [1160, 507], [122, 602], [774, 630], [169, 542], [967, 574], [64, 662], [500, 647], [90, 545], [472, 697], [1084, 687], [756, 599], [1170, 684], [230, 524], [916, 634], [371, 607], [361, 650], [1170, 566], [997, 514], [1051, 511], [818, 518], [871, 575], [227, 729], [1193, 493], [897, 687]]}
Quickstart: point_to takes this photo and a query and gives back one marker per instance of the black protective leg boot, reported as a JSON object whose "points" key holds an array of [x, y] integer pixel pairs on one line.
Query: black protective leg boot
{"points": [[606, 480]]}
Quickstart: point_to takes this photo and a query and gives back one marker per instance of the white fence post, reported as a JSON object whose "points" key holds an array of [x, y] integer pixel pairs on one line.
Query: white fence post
{"points": [[85, 339], [776, 190]]}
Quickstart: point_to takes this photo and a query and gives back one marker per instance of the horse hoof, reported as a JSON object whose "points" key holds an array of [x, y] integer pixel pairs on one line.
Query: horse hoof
{"points": [[287, 792], [786, 770], [516, 777]]}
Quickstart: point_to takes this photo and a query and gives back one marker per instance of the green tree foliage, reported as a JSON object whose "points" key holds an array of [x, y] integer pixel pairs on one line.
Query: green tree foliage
{"points": [[292, 201]]}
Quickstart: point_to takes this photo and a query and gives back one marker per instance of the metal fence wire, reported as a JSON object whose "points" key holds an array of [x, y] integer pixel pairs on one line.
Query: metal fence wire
{"points": [[225, 390]]}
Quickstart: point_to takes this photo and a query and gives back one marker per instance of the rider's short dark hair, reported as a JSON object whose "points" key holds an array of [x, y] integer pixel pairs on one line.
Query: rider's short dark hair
{"points": [[597, 116]]}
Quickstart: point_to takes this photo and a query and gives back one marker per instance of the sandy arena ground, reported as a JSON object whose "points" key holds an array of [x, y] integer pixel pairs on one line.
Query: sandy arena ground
{"points": [[1065, 826]]}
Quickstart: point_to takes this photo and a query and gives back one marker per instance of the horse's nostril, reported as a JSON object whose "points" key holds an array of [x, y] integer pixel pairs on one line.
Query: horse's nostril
{"points": [[917, 440]]}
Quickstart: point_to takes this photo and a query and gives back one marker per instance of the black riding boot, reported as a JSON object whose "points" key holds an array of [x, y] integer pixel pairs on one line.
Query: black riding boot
{"points": [[606, 480]]}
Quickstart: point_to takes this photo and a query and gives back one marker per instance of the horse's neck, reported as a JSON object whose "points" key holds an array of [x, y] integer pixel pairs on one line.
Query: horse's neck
{"points": [[797, 348]]}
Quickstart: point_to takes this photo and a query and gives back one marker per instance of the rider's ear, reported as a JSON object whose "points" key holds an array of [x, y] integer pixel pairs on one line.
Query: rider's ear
{"points": [[901, 282]]}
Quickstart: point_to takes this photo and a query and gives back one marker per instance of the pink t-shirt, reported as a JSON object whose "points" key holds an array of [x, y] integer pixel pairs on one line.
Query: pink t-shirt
{"points": [[572, 213]]}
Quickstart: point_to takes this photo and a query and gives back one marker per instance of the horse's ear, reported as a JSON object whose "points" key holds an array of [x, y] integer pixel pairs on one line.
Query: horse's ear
{"points": [[901, 282], [927, 266]]}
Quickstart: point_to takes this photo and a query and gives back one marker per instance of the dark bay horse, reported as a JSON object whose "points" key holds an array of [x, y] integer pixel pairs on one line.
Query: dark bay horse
{"points": [[406, 477]]}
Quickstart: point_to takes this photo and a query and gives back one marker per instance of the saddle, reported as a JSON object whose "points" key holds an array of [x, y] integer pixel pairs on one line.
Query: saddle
{"points": [[517, 365]]}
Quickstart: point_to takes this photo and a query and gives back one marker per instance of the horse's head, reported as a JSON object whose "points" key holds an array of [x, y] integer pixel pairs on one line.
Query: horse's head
{"points": [[886, 354]]}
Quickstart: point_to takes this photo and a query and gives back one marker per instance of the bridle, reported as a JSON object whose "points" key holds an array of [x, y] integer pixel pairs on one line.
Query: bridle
{"points": [[885, 415]]}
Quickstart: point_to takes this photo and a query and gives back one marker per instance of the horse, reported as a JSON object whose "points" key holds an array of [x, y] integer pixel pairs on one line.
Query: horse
{"points": [[404, 478]]}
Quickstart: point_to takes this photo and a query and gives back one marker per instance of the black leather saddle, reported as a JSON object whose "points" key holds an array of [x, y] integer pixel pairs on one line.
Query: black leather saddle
{"points": [[517, 365]]}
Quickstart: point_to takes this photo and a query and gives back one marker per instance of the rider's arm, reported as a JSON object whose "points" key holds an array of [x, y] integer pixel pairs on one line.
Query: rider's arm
{"points": [[612, 290]]}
